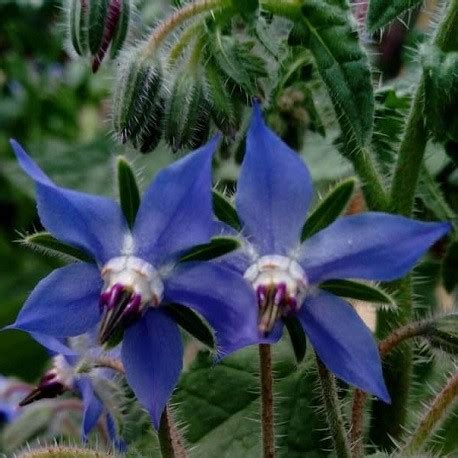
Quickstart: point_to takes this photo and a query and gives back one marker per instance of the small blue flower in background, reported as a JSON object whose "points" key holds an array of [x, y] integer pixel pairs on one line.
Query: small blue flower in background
{"points": [[10, 394], [67, 375], [136, 272], [274, 193]]}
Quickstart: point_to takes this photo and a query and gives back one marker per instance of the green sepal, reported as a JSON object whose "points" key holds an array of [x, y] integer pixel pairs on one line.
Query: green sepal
{"points": [[129, 195], [330, 208], [382, 12], [449, 267], [191, 323], [444, 334], [328, 31], [121, 29], [297, 336], [44, 241], [218, 246], [79, 19], [186, 119], [97, 17], [225, 212], [355, 290], [248, 9]]}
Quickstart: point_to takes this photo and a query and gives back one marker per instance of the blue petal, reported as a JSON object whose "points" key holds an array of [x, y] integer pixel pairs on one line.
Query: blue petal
{"points": [[54, 345], [274, 190], [152, 353], [63, 304], [112, 432], [373, 246], [94, 224], [92, 405], [176, 211], [222, 297], [343, 342]]}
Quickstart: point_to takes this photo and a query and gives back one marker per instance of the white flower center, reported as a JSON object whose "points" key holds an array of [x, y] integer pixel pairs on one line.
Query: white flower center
{"points": [[281, 286], [136, 275]]}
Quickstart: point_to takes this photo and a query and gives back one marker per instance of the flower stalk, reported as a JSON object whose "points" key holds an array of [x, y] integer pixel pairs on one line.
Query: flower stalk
{"points": [[169, 437], [434, 414], [267, 397], [333, 412]]}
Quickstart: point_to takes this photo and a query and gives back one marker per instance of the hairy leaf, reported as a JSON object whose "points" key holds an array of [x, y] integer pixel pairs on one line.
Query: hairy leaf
{"points": [[382, 12], [327, 29], [220, 406]]}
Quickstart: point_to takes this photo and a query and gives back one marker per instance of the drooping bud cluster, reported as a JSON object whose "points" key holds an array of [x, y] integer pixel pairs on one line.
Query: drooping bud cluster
{"points": [[95, 25], [280, 285], [178, 96], [131, 285], [54, 382]]}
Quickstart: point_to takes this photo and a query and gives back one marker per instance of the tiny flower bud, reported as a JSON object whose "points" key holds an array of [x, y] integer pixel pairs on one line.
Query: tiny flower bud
{"points": [[138, 103], [95, 24]]}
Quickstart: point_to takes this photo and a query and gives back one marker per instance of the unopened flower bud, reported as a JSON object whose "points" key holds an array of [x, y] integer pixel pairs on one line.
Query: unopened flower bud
{"points": [[138, 102], [186, 119], [97, 24]]}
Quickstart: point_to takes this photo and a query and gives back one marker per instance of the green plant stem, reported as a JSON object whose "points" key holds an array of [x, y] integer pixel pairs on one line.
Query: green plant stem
{"points": [[388, 421], [433, 416], [415, 329], [177, 18], [267, 401], [333, 412], [169, 438], [372, 185]]}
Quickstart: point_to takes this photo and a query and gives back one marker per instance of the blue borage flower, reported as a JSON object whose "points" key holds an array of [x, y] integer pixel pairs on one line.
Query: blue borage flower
{"points": [[274, 193], [10, 394], [136, 273], [75, 373]]}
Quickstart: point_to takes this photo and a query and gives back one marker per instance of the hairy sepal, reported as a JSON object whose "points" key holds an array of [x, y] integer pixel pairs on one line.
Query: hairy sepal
{"points": [[382, 12]]}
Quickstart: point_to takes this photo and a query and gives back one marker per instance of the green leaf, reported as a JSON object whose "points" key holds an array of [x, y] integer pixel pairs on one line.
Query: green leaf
{"points": [[225, 212], [297, 335], [444, 334], [220, 406], [382, 12], [441, 92], [128, 190], [329, 33], [45, 242], [329, 209], [191, 323], [357, 290], [449, 269], [217, 247]]}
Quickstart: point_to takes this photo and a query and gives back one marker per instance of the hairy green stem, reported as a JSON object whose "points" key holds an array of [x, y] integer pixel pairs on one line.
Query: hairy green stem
{"points": [[434, 415], [177, 18], [372, 185], [333, 413], [388, 421], [267, 401], [415, 329], [170, 440]]}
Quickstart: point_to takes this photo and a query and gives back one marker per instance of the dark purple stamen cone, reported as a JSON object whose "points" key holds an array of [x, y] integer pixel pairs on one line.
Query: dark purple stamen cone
{"points": [[111, 22], [49, 387], [119, 307]]}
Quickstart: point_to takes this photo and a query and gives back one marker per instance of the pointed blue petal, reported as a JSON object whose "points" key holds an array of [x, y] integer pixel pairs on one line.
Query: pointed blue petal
{"points": [[274, 190], [176, 211], [222, 297], [343, 342], [63, 304], [372, 246], [94, 224], [92, 406], [54, 345], [115, 439], [152, 353]]}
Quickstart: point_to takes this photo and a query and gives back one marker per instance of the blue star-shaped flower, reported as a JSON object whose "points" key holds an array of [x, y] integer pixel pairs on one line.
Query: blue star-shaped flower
{"points": [[136, 273], [274, 193], [65, 375]]}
